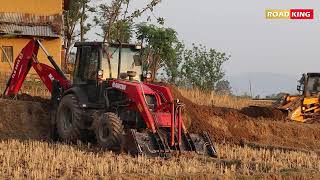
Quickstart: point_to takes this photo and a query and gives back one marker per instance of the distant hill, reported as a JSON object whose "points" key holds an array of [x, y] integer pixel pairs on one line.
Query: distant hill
{"points": [[263, 83]]}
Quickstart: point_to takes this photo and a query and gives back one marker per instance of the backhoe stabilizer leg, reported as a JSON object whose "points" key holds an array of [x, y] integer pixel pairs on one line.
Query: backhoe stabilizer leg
{"points": [[146, 143], [202, 144], [137, 143]]}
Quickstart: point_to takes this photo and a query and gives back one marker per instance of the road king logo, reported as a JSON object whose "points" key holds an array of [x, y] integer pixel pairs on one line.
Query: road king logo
{"points": [[51, 77], [119, 86], [289, 14]]}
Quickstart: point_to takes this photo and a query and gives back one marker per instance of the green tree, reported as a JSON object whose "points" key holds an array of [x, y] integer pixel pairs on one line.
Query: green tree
{"points": [[161, 49], [202, 67], [115, 20], [172, 66], [223, 87], [84, 10], [120, 30], [75, 17]]}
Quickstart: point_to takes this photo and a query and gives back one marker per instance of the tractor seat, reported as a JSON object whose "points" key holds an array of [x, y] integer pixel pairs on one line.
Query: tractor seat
{"points": [[131, 74]]}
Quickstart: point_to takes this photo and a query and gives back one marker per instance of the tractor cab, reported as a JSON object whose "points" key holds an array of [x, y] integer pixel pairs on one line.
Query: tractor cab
{"points": [[101, 61], [309, 84]]}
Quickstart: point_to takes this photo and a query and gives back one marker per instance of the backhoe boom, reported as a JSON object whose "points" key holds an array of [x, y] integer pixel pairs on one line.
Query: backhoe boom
{"points": [[26, 59]]}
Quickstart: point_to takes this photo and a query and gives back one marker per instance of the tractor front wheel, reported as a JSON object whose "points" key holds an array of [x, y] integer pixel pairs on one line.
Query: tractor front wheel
{"points": [[109, 131], [68, 118]]}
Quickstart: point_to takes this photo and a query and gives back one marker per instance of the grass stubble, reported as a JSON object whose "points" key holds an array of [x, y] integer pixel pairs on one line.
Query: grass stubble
{"points": [[33, 159], [43, 160]]}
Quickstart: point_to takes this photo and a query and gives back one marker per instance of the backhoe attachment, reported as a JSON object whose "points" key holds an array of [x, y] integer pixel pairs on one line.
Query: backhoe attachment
{"points": [[27, 59]]}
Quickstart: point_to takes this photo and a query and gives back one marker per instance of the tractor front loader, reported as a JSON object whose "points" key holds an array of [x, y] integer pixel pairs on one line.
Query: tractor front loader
{"points": [[304, 107], [109, 100]]}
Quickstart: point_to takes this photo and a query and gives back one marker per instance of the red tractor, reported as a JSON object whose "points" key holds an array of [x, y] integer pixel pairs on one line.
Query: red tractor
{"points": [[109, 101]]}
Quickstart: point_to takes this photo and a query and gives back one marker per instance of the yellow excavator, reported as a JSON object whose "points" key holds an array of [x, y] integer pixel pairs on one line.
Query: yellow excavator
{"points": [[304, 107]]}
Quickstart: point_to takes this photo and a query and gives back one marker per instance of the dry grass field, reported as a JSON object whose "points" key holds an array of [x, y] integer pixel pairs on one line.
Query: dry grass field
{"points": [[212, 99], [195, 95], [43, 160], [23, 158]]}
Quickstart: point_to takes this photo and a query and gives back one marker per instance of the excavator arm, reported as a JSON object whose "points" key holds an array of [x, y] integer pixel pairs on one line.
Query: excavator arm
{"points": [[26, 59]]}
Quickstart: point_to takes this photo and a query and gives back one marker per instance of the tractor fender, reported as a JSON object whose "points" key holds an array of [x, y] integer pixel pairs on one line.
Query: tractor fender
{"points": [[80, 94]]}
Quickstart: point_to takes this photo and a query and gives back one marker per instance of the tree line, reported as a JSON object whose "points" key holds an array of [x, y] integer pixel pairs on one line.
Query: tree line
{"points": [[164, 55]]}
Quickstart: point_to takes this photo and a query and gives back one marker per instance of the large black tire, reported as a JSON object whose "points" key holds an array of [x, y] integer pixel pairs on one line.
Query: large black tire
{"points": [[68, 118], [109, 131]]}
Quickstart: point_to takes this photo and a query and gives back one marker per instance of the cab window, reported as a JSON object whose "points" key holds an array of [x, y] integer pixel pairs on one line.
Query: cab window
{"points": [[127, 62], [313, 85], [86, 63]]}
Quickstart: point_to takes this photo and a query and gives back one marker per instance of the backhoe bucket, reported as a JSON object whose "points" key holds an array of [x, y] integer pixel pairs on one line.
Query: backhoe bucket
{"points": [[156, 144]]}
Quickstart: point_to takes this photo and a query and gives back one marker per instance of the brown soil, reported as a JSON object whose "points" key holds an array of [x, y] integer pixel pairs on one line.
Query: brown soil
{"points": [[26, 97], [27, 119], [24, 120], [250, 125], [264, 112]]}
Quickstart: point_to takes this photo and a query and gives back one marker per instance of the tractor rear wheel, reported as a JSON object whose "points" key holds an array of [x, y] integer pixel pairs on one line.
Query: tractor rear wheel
{"points": [[68, 118], [109, 131]]}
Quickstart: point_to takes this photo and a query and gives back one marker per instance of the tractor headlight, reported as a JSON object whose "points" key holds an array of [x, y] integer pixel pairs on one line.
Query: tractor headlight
{"points": [[100, 74], [138, 47], [149, 75]]}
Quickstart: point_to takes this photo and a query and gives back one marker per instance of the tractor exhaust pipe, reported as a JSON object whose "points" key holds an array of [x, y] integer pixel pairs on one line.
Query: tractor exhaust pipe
{"points": [[119, 61], [172, 128]]}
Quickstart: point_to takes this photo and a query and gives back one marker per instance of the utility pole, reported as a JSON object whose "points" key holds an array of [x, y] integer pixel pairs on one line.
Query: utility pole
{"points": [[250, 87]]}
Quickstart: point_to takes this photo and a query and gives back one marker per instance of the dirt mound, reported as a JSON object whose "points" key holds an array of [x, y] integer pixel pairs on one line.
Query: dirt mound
{"points": [[263, 112], [235, 126], [26, 97], [27, 119], [24, 119]]}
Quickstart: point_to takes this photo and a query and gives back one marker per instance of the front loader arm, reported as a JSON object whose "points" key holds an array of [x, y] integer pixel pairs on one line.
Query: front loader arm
{"points": [[135, 93], [26, 59]]}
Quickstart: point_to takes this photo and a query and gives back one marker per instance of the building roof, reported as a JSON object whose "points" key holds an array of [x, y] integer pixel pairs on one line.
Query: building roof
{"points": [[23, 30], [25, 18], [21, 24]]}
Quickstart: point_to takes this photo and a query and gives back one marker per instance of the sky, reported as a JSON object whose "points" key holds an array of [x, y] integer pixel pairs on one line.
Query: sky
{"points": [[239, 28]]}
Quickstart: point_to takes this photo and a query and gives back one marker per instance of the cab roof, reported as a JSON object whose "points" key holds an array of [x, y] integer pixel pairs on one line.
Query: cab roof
{"points": [[313, 74], [93, 43]]}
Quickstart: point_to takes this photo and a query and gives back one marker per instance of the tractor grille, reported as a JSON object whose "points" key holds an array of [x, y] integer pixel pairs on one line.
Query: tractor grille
{"points": [[151, 101]]}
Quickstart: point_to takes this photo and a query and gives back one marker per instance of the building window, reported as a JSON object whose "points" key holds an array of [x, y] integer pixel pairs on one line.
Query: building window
{"points": [[8, 50]]}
